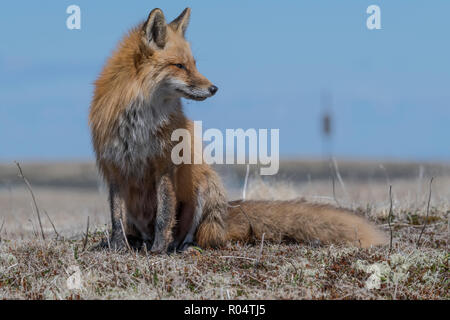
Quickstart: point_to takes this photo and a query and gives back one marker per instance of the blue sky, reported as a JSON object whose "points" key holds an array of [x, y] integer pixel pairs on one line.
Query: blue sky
{"points": [[270, 59]]}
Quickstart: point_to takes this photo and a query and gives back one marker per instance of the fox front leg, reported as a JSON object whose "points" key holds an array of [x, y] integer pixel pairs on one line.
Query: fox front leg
{"points": [[117, 207], [165, 215]]}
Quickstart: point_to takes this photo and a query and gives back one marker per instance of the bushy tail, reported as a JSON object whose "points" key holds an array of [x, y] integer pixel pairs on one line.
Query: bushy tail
{"points": [[299, 221]]}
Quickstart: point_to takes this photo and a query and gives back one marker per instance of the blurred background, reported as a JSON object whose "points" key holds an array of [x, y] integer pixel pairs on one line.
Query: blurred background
{"points": [[271, 60], [375, 100]]}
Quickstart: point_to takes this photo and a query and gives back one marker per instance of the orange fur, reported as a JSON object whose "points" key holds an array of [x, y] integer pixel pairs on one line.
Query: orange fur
{"points": [[299, 221], [135, 108], [134, 97]]}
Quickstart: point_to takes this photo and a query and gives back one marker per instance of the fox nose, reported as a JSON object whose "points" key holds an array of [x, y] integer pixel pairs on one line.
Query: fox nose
{"points": [[213, 90]]}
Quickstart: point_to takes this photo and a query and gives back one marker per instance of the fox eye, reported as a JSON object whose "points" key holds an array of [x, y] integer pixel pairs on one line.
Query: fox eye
{"points": [[180, 66]]}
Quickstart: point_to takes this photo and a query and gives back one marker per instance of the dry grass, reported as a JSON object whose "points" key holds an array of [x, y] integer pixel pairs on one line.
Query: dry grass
{"points": [[31, 268], [35, 269]]}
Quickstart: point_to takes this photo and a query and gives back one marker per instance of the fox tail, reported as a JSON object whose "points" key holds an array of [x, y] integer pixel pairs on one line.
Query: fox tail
{"points": [[299, 221]]}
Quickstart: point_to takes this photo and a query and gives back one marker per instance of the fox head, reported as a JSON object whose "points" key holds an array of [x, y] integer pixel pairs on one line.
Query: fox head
{"points": [[166, 57]]}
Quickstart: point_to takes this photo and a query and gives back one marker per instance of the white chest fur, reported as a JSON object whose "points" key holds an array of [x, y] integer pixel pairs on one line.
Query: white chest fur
{"points": [[135, 139]]}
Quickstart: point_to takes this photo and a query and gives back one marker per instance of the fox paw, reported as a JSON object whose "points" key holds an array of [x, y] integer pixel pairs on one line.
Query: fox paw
{"points": [[117, 243], [192, 250], [102, 245], [187, 247]]}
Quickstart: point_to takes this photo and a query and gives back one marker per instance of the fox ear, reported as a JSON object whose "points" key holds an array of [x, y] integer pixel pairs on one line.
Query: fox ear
{"points": [[155, 28], [181, 23]]}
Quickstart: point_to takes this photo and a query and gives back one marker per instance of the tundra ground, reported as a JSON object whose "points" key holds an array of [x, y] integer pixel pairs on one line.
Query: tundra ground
{"points": [[63, 267]]}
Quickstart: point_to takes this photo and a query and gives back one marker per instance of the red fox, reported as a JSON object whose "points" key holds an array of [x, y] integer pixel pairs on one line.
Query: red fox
{"points": [[135, 108]]}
